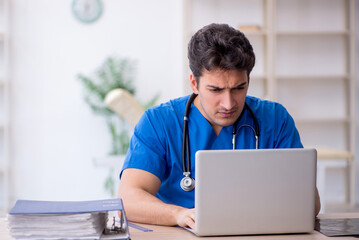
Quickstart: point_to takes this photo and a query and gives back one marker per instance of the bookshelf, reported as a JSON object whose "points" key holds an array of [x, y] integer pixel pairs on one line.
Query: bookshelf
{"points": [[305, 60]]}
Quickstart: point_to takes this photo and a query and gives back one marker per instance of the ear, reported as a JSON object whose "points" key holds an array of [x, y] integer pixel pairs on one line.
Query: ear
{"points": [[193, 83]]}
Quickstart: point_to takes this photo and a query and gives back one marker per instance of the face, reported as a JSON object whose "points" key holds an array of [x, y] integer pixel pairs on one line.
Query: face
{"points": [[221, 96]]}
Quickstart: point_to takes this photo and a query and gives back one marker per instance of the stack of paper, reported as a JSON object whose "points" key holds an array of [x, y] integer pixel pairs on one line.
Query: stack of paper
{"points": [[57, 226], [65, 220]]}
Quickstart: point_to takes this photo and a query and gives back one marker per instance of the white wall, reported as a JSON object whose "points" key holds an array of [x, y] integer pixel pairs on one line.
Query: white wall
{"points": [[54, 135]]}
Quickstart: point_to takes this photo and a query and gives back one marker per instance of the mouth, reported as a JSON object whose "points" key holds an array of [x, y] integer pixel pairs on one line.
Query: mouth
{"points": [[226, 114]]}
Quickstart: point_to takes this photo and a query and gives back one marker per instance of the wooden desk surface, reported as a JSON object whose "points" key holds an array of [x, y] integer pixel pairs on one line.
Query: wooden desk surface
{"points": [[176, 233]]}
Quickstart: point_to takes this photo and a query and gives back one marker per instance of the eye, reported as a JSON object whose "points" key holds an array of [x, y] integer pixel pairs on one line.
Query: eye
{"points": [[215, 90], [239, 88]]}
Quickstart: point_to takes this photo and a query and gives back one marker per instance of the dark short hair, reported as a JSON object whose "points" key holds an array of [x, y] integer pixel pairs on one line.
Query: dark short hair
{"points": [[219, 46]]}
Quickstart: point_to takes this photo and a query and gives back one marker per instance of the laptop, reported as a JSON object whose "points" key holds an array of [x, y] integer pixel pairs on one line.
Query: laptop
{"points": [[245, 192]]}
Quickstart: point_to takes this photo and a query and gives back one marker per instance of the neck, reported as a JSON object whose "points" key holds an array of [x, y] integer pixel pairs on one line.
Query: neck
{"points": [[217, 129]]}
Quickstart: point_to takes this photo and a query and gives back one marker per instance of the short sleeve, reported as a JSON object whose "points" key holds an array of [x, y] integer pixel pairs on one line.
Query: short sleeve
{"points": [[147, 147], [287, 135]]}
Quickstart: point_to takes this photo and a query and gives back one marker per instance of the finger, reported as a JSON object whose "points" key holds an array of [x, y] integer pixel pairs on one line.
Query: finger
{"points": [[189, 222], [192, 215]]}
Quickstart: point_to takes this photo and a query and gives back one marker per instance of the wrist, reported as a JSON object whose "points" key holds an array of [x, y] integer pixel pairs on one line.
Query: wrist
{"points": [[176, 213]]}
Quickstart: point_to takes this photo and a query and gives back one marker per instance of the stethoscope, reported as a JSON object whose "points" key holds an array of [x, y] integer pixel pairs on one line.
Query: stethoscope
{"points": [[187, 182]]}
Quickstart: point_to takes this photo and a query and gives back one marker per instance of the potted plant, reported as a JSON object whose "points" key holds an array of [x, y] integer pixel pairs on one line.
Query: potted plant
{"points": [[114, 73]]}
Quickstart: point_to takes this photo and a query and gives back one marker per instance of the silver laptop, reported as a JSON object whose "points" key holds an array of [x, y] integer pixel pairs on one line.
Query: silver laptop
{"points": [[243, 192]]}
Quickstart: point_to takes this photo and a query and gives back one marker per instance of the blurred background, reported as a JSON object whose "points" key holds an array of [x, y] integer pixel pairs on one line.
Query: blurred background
{"points": [[54, 146]]}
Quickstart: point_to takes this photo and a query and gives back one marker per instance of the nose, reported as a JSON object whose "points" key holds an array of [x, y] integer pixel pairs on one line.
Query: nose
{"points": [[227, 101]]}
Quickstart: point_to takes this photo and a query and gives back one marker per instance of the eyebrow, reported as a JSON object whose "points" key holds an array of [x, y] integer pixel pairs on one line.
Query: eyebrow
{"points": [[236, 87]]}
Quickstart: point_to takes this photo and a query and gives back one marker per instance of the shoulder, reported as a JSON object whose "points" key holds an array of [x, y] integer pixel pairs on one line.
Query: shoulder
{"points": [[172, 108], [277, 125], [269, 113], [266, 107], [173, 105], [158, 122], [164, 114]]}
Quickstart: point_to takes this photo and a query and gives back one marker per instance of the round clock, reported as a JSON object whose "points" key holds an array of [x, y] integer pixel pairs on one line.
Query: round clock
{"points": [[87, 11]]}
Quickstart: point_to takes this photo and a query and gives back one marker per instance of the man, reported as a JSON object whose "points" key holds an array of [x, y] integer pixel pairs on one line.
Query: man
{"points": [[221, 59]]}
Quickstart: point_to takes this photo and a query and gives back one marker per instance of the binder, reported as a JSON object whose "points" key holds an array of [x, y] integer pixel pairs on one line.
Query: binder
{"points": [[26, 210], [338, 227]]}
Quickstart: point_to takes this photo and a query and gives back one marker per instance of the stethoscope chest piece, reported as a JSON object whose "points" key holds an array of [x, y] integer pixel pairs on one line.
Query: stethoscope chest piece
{"points": [[187, 183]]}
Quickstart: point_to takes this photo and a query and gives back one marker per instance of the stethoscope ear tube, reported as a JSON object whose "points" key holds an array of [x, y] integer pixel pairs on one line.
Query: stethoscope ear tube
{"points": [[185, 124], [255, 122], [187, 183], [185, 142]]}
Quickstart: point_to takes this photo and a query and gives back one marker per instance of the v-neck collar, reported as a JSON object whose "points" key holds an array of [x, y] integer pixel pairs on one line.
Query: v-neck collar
{"points": [[205, 123]]}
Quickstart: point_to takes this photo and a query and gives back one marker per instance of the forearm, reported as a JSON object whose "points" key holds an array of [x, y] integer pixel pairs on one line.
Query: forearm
{"points": [[138, 189], [143, 207]]}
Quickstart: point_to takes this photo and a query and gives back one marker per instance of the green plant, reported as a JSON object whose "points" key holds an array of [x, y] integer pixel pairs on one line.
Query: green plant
{"points": [[114, 73]]}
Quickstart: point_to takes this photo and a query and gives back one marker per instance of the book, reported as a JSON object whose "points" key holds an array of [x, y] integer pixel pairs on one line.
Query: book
{"points": [[30, 219]]}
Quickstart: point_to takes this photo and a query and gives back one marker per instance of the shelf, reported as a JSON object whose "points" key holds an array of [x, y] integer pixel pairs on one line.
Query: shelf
{"points": [[344, 120], [313, 77], [254, 33], [305, 64], [334, 154], [312, 33]]}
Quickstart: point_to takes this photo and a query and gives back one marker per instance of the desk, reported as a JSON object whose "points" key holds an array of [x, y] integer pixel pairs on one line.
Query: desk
{"points": [[176, 233]]}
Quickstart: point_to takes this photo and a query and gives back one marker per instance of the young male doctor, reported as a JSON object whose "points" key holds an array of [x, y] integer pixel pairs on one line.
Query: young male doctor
{"points": [[221, 59]]}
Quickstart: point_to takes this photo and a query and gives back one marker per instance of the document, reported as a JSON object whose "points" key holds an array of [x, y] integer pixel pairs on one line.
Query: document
{"points": [[68, 220]]}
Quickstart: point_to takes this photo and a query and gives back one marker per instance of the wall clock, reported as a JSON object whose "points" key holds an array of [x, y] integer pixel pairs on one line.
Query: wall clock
{"points": [[87, 11]]}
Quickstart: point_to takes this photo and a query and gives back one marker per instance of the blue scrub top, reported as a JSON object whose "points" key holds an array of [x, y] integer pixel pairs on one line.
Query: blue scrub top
{"points": [[156, 145]]}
